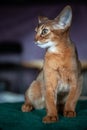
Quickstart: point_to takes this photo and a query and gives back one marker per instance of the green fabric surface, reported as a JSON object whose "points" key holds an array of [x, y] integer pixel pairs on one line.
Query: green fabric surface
{"points": [[12, 118]]}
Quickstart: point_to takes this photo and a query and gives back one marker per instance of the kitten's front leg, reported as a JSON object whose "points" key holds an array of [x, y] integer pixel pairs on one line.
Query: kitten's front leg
{"points": [[75, 91], [50, 96], [69, 109]]}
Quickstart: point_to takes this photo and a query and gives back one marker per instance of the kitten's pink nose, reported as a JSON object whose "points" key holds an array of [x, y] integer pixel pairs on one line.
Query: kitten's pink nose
{"points": [[36, 38]]}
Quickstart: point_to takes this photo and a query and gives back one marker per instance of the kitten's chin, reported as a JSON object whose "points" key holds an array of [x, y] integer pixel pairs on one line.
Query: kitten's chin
{"points": [[45, 45]]}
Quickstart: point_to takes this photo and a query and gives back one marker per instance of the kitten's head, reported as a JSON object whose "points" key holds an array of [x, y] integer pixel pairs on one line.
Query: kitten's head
{"points": [[48, 30]]}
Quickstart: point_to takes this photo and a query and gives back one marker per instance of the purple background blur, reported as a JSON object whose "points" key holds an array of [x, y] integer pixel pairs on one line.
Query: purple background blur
{"points": [[17, 24]]}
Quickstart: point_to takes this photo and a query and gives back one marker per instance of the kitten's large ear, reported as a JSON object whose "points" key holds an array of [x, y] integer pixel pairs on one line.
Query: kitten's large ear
{"points": [[42, 19], [64, 18]]}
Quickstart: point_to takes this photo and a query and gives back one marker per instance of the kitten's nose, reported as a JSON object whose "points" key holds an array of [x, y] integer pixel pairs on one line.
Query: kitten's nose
{"points": [[35, 41], [36, 38]]}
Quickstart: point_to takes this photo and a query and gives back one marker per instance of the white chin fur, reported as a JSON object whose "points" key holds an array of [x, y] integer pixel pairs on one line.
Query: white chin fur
{"points": [[46, 45]]}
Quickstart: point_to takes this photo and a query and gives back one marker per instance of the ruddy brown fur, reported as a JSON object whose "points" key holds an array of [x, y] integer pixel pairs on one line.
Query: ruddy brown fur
{"points": [[60, 81]]}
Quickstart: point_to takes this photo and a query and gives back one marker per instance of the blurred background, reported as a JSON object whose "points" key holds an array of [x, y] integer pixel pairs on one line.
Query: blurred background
{"points": [[18, 19]]}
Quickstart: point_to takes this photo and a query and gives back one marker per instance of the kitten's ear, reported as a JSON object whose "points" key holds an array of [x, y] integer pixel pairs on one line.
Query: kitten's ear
{"points": [[64, 18], [42, 19]]}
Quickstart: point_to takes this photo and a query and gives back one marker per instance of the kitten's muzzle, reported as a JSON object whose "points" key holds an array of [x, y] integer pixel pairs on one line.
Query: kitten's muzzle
{"points": [[37, 42]]}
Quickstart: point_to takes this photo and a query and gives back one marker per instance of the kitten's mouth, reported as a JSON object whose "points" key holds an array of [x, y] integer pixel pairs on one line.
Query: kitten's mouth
{"points": [[37, 43], [44, 45]]}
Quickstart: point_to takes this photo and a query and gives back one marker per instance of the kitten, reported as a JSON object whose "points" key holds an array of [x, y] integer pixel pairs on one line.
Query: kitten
{"points": [[59, 84]]}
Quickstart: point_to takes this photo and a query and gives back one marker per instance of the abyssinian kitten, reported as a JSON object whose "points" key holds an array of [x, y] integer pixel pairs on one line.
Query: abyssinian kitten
{"points": [[58, 86]]}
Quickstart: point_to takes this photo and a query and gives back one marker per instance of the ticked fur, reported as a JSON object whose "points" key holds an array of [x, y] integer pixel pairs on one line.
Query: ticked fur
{"points": [[60, 81]]}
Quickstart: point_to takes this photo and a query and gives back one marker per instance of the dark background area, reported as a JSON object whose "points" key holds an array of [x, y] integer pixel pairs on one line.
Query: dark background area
{"points": [[37, 2], [18, 19]]}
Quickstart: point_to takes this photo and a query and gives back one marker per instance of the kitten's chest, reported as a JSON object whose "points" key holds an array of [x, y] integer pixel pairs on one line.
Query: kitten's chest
{"points": [[62, 87], [59, 61], [63, 80]]}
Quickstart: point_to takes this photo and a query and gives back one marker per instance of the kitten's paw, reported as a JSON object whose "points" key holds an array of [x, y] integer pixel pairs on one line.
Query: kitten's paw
{"points": [[50, 119], [69, 113], [26, 107]]}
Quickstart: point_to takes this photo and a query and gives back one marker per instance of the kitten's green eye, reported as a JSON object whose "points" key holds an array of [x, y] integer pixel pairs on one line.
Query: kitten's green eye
{"points": [[44, 31]]}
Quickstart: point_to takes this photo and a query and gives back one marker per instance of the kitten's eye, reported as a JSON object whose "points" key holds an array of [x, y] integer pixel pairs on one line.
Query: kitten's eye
{"points": [[44, 31]]}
